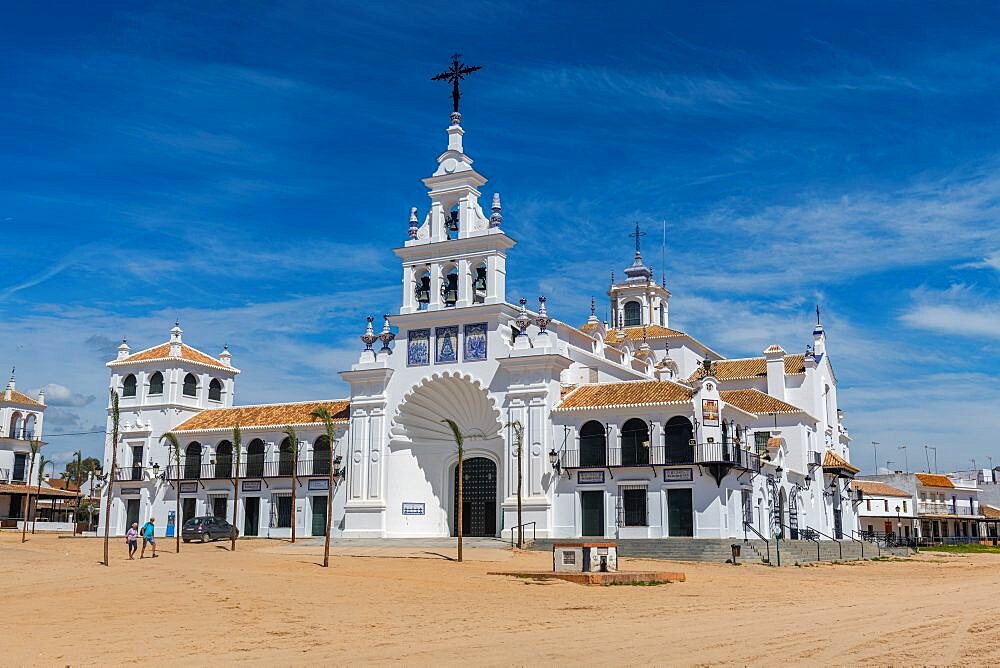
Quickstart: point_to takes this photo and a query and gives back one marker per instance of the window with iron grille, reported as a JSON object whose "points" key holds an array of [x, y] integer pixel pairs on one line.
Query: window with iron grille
{"points": [[760, 441], [634, 505]]}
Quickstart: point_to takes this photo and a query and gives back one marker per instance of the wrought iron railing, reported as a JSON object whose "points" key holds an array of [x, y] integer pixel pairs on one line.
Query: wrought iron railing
{"points": [[249, 468], [518, 531], [726, 453], [946, 508]]}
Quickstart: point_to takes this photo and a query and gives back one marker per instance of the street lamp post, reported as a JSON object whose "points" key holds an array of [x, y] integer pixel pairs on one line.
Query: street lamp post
{"points": [[899, 525]]}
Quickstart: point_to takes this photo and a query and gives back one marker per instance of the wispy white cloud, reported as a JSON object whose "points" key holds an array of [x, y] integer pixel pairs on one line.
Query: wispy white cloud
{"points": [[957, 311]]}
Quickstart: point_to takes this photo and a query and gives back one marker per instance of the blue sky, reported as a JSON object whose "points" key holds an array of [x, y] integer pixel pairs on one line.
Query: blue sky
{"points": [[247, 168]]}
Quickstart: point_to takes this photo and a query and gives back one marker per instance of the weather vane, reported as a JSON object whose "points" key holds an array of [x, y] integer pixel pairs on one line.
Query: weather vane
{"points": [[454, 74]]}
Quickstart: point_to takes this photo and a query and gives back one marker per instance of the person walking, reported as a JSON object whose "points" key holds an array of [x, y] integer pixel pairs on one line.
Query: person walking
{"points": [[132, 538], [148, 531]]}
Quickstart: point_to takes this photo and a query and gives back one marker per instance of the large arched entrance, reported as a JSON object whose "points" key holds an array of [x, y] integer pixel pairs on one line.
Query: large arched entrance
{"points": [[479, 497]]}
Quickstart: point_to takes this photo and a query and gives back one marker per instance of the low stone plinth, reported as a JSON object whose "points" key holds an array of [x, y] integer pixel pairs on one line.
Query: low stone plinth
{"points": [[598, 578]]}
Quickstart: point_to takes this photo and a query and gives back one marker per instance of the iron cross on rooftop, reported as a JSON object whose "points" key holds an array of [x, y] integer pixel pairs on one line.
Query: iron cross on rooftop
{"points": [[454, 74]]}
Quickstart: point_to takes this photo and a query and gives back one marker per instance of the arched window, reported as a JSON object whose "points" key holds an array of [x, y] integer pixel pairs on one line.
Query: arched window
{"points": [[128, 386], [224, 460], [190, 385], [633, 314], [635, 443], [215, 390], [321, 456], [678, 433], [593, 444], [15, 426], [285, 458], [29, 426], [192, 460], [156, 383], [255, 459]]}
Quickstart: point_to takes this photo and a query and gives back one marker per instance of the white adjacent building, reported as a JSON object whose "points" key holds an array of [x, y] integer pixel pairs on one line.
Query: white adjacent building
{"points": [[630, 428]]}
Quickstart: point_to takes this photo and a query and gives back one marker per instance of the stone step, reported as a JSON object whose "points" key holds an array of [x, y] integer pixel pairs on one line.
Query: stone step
{"points": [[719, 549]]}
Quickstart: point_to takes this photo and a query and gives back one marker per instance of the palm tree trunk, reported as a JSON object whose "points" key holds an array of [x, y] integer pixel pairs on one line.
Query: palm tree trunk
{"points": [[520, 482], [110, 496], [236, 501], [295, 466], [177, 506], [38, 495], [27, 504], [458, 526], [329, 498]]}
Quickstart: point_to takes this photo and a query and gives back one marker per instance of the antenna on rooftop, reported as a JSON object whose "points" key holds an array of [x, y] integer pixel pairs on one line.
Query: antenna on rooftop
{"points": [[663, 256]]}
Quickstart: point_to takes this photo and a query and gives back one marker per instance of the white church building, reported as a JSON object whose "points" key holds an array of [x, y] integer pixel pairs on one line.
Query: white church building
{"points": [[631, 429]]}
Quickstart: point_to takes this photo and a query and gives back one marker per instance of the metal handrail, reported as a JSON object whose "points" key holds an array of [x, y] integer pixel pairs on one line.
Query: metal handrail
{"points": [[849, 535], [767, 546], [520, 529], [807, 534], [839, 544]]}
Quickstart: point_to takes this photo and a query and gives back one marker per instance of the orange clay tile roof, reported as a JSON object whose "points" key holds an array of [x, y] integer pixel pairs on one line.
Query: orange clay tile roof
{"points": [[875, 488], [589, 326], [162, 352], [563, 391], [22, 398], [831, 460], [989, 512], [6, 488], [774, 348], [757, 402], [264, 415], [934, 480], [635, 334], [752, 367], [635, 393]]}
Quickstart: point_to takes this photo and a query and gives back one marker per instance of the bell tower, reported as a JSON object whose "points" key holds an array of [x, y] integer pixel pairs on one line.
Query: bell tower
{"points": [[457, 257], [639, 301]]}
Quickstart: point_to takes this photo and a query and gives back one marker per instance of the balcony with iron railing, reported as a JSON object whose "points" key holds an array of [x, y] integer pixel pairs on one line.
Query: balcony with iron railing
{"points": [[658, 455], [252, 467], [947, 508]]}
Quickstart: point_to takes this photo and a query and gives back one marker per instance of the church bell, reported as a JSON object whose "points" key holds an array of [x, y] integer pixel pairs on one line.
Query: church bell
{"points": [[450, 290], [424, 290]]}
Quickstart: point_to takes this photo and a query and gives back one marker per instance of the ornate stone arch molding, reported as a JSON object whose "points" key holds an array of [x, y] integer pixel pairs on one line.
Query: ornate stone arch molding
{"points": [[453, 395]]}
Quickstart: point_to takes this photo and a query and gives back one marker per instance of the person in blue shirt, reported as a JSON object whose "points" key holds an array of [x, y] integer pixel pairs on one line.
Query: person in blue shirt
{"points": [[148, 530]]}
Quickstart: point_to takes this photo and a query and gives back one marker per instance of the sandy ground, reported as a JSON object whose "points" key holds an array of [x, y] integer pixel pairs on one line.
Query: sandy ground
{"points": [[270, 603]]}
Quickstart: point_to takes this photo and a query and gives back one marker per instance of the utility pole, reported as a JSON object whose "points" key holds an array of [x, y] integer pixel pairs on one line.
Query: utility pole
{"points": [[875, 445], [906, 458], [927, 457]]}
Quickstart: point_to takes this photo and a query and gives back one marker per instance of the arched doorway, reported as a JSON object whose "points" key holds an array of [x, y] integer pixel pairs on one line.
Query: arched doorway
{"points": [[479, 497], [593, 444], [793, 516], [255, 459], [781, 517], [192, 461]]}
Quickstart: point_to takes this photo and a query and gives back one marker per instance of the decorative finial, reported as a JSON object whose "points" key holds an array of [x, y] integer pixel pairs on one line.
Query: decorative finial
{"points": [[453, 75], [612, 279], [644, 334], [496, 217], [817, 314], [593, 306], [621, 326], [387, 336], [543, 318], [413, 222], [368, 338], [523, 319]]}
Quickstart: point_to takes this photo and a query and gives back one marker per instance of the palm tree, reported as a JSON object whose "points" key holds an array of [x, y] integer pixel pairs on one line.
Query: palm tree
{"points": [[323, 413], [519, 449], [115, 416], [175, 449], [36, 445], [236, 485], [79, 488], [293, 438], [460, 445], [42, 463]]}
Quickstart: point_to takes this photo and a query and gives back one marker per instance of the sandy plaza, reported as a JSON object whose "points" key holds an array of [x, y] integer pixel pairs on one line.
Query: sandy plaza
{"points": [[271, 604]]}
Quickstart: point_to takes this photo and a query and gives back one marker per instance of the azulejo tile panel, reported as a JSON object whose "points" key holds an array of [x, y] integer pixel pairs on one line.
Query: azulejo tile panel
{"points": [[446, 344], [475, 342], [418, 347]]}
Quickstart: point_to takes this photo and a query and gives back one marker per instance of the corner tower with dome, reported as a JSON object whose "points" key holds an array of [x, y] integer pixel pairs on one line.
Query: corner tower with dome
{"points": [[631, 428]]}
